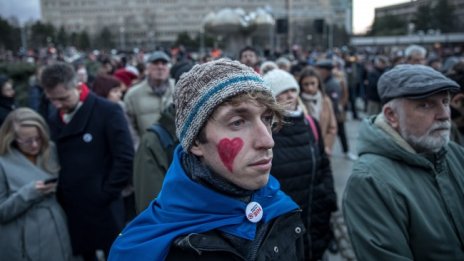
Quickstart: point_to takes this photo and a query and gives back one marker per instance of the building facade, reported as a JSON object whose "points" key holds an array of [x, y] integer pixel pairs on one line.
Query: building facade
{"points": [[150, 23], [408, 10]]}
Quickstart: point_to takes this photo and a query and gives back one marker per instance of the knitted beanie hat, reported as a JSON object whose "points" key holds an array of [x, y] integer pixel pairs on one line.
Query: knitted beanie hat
{"points": [[200, 90], [280, 81]]}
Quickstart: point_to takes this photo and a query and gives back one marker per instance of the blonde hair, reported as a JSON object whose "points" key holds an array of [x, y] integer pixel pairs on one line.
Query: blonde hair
{"points": [[25, 117]]}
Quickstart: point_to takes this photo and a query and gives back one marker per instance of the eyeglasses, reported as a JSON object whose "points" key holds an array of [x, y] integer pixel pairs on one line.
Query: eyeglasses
{"points": [[30, 141]]}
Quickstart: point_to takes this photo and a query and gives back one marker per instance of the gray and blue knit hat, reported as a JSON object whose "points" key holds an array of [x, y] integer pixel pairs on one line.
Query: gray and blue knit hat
{"points": [[206, 86]]}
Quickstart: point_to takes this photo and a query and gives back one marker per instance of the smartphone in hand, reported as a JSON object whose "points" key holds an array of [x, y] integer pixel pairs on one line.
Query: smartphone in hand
{"points": [[50, 180]]}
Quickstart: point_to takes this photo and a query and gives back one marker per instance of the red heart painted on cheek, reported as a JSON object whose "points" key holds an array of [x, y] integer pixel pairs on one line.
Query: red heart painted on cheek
{"points": [[228, 150]]}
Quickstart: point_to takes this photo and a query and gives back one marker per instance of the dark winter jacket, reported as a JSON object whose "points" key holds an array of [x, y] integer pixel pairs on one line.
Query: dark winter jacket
{"points": [[7, 104], [95, 151], [279, 243], [335, 92], [373, 76], [303, 170]]}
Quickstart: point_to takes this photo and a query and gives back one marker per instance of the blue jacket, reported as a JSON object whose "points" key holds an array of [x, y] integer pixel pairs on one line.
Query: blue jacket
{"points": [[184, 206]]}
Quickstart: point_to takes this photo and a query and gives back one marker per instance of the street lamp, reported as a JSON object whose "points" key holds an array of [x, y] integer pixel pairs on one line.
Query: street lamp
{"points": [[122, 39]]}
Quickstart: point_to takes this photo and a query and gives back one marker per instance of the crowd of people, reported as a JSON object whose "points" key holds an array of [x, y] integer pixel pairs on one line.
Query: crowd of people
{"points": [[161, 157]]}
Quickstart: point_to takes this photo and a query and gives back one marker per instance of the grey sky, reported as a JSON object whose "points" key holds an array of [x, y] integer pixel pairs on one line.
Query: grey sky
{"points": [[24, 10]]}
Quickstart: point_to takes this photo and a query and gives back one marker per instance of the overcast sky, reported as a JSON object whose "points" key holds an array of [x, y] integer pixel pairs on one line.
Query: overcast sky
{"points": [[24, 10], [363, 11]]}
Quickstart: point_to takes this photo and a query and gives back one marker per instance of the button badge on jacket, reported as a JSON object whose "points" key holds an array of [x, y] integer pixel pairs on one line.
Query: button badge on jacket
{"points": [[87, 137]]}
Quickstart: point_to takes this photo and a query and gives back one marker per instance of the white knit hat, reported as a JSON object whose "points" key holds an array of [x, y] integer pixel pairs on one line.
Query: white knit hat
{"points": [[279, 81]]}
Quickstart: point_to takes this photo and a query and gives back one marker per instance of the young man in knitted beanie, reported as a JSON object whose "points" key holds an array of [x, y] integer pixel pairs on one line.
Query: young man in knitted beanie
{"points": [[218, 200], [301, 165]]}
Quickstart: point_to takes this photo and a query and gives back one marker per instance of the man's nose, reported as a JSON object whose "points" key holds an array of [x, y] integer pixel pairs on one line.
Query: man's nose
{"points": [[444, 112], [263, 137]]}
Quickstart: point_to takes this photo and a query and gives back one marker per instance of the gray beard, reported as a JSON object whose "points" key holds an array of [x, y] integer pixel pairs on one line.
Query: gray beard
{"points": [[427, 143]]}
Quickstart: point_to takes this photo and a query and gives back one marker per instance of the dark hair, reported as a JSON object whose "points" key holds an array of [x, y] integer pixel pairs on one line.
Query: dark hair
{"points": [[457, 74], [179, 68], [103, 85], [3, 80], [58, 73], [246, 48], [310, 72]]}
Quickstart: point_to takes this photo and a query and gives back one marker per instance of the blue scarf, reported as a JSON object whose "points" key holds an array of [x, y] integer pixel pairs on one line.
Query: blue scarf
{"points": [[185, 206]]}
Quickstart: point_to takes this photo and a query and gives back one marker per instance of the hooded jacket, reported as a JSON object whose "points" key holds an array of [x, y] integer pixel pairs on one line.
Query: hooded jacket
{"points": [[401, 205]]}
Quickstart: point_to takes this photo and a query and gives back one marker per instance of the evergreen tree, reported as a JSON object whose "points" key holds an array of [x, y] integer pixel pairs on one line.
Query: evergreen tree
{"points": [[185, 40], [10, 36], [73, 39], [443, 17], [83, 40], [41, 34], [104, 39], [62, 37], [423, 18], [388, 25]]}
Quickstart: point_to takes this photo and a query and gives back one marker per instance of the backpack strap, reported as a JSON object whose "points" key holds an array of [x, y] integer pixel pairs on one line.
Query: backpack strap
{"points": [[312, 124], [163, 135]]}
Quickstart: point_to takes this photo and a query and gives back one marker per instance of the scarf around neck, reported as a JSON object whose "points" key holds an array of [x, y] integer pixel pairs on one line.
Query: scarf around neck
{"points": [[185, 206], [313, 103]]}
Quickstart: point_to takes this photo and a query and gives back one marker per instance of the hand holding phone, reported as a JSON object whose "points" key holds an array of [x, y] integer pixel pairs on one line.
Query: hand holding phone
{"points": [[50, 180]]}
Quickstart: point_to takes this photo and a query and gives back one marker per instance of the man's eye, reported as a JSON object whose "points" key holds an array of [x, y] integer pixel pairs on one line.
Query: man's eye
{"points": [[424, 105], [268, 119], [237, 123]]}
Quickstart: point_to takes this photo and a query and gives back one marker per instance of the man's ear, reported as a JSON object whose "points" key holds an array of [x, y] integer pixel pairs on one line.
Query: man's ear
{"points": [[196, 149], [457, 100], [391, 116]]}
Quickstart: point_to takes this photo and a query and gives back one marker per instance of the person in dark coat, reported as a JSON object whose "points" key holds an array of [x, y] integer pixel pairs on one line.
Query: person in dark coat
{"points": [[7, 100], [374, 106], [302, 166], [335, 92], [95, 151]]}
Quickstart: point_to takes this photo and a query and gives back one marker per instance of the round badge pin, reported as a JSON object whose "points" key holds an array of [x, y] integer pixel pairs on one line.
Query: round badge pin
{"points": [[254, 212], [87, 137]]}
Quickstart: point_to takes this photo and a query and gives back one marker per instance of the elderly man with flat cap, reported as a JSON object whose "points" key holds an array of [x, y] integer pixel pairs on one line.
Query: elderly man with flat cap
{"points": [[405, 197], [146, 100]]}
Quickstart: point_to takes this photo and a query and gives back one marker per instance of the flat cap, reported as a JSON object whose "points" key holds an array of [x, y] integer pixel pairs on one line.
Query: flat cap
{"points": [[158, 56], [325, 64], [413, 82]]}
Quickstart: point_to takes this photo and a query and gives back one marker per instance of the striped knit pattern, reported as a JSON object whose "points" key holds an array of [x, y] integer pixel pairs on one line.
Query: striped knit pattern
{"points": [[206, 86]]}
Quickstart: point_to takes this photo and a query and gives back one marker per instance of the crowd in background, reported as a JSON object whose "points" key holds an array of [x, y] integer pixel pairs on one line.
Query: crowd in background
{"points": [[332, 87]]}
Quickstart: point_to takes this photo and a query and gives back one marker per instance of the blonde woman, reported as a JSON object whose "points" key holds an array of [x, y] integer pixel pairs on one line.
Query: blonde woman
{"points": [[32, 224]]}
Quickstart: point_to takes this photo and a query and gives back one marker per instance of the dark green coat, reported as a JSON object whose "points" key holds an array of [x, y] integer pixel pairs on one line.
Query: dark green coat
{"points": [[152, 161], [400, 205]]}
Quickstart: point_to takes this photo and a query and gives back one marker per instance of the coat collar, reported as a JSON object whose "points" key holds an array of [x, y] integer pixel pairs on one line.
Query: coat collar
{"points": [[79, 120]]}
